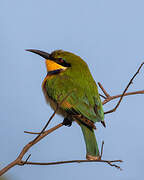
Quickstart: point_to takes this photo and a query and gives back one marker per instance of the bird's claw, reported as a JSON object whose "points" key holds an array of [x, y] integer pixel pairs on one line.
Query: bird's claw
{"points": [[67, 122]]}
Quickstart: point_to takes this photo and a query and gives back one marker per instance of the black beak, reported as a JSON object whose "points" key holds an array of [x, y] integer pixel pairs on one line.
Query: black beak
{"points": [[48, 56], [41, 53]]}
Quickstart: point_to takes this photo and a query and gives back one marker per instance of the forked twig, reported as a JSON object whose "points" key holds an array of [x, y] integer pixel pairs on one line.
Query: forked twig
{"points": [[104, 91], [102, 95], [119, 95], [77, 161], [57, 107], [110, 162], [40, 136], [109, 98], [18, 160], [25, 162]]}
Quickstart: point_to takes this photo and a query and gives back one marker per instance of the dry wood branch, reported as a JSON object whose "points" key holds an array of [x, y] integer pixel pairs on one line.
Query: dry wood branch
{"points": [[29, 132], [101, 154], [52, 116], [46, 124], [109, 98], [110, 162], [104, 91], [119, 95], [75, 161], [102, 96], [18, 160]]}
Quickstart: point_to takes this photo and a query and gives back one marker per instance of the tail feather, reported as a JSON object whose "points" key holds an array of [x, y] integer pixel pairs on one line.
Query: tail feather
{"points": [[90, 141]]}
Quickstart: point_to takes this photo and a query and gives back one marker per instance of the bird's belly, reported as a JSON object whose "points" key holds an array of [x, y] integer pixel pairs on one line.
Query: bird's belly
{"points": [[53, 104]]}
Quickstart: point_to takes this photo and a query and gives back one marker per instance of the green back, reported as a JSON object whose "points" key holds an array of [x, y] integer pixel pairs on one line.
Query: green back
{"points": [[78, 81]]}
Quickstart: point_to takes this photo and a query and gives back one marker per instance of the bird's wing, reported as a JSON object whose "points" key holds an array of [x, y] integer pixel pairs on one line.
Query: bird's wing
{"points": [[76, 99]]}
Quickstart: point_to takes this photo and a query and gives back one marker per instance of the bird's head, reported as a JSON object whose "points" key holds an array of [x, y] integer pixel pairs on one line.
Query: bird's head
{"points": [[60, 60]]}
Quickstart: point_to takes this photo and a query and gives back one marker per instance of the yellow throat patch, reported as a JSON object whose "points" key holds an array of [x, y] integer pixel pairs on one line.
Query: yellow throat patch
{"points": [[51, 65]]}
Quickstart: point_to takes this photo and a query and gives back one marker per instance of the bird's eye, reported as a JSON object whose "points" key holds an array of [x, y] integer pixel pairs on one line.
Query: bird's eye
{"points": [[61, 60]]}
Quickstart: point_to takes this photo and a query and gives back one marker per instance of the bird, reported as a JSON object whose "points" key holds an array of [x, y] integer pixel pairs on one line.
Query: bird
{"points": [[70, 86]]}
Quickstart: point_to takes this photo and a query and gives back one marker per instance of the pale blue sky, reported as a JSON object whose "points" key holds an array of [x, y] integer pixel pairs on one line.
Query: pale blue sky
{"points": [[109, 35]]}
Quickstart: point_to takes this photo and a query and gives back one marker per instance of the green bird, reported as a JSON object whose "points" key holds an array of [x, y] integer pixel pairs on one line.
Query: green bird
{"points": [[70, 86]]}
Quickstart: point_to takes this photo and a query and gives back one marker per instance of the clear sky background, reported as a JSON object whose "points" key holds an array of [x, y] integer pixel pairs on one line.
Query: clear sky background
{"points": [[109, 35]]}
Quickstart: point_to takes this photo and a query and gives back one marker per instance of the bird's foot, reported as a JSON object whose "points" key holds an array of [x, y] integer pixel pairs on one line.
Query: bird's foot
{"points": [[67, 122]]}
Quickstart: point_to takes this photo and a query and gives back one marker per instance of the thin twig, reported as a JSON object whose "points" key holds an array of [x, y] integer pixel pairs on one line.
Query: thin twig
{"points": [[76, 161], [24, 162], [102, 96], [29, 132], [18, 160], [39, 134], [104, 91], [116, 166], [57, 107], [130, 82], [119, 95], [102, 146]]}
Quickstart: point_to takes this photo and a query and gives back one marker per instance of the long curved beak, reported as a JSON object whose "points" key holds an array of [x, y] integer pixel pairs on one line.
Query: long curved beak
{"points": [[48, 56], [41, 53]]}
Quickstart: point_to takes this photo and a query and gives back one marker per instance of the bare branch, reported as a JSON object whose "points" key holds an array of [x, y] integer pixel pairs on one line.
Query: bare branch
{"points": [[123, 94], [116, 166], [57, 107], [119, 95], [104, 91], [101, 154], [18, 160], [102, 96], [24, 162], [29, 132], [46, 124], [77, 161]]}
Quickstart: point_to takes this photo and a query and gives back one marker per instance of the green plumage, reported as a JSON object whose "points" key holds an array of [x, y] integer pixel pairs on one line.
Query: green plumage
{"points": [[84, 99], [72, 82], [90, 140]]}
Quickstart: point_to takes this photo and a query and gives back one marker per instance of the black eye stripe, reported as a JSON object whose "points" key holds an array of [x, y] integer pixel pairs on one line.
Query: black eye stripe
{"points": [[60, 61], [64, 63]]}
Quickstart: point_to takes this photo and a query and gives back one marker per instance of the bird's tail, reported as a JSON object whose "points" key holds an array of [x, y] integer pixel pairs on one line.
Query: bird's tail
{"points": [[91, 143]]}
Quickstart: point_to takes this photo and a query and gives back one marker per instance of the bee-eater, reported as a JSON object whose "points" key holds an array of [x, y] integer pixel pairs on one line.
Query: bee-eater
{"points": [[70, 86]]}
